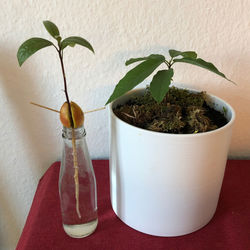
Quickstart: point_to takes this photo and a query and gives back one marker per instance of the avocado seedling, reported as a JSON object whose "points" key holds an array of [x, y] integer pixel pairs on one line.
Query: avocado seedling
{"points": [[71, 114]]}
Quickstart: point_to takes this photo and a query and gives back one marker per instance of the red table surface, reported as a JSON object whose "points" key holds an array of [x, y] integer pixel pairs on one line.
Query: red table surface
{"points": [[229, 229]]}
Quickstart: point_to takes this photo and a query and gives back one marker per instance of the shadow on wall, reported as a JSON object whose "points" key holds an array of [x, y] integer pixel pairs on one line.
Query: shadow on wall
{"points": [[19, 87], [11, 228]]}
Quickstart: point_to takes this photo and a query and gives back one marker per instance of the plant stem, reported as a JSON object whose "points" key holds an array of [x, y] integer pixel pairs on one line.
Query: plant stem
{"points": [[169, 63], [65, 87]]}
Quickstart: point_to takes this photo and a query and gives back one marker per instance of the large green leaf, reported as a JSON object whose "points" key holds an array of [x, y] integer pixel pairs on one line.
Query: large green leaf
{"points": [[160, 84], [52, 29], [175, 53], [71, 41], [31, 46], [134, 77], [203, 64], [153, 56]]}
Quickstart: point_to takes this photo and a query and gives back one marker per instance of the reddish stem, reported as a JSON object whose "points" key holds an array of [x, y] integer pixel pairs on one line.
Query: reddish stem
{"points": [[65, 87]]}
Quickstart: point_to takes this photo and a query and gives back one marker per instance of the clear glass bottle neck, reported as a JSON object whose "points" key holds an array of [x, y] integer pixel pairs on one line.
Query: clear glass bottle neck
{"points": [[68, 132]]}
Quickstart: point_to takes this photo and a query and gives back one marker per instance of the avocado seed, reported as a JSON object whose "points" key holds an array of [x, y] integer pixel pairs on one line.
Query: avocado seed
{"points": [[77, 115]]}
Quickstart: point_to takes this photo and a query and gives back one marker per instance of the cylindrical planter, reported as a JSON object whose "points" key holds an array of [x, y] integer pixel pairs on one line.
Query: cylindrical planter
{"points": [[167, 184]]}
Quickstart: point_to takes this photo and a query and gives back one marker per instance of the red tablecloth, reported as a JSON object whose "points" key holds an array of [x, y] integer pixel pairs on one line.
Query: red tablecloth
{"points": [[229, 229]]}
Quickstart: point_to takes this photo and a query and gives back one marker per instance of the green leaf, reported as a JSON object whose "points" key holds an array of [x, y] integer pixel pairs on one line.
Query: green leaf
{"points": [[203, 64], [160, 84], [153, 56], [31, 46], [134, 77], [190, 54], [52, 29], [71, 41], [175, 53]]}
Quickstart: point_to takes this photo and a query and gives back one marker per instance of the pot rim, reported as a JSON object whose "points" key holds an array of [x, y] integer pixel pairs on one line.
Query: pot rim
{"points": [[218, 130]]}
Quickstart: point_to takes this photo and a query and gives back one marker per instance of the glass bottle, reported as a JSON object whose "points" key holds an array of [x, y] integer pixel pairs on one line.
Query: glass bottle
{"points": [[78, 198]]}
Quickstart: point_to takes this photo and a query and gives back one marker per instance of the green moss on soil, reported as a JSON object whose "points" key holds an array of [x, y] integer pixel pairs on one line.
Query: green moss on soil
{"points": [[180, 112]]}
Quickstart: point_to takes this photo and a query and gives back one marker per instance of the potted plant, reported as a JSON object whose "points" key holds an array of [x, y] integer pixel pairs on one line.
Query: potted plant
{"points": [[166, 183], [77, 185]]}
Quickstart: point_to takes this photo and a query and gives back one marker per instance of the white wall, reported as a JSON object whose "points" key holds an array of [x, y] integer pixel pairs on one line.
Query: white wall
{"points": [[31, 137]]}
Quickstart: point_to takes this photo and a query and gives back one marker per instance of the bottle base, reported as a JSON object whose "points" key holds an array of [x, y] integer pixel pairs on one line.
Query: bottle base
{"points": [[80, 230]]}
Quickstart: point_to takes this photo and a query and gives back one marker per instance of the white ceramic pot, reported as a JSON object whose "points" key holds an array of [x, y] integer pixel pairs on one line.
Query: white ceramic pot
{"points": [[167, 184]]}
